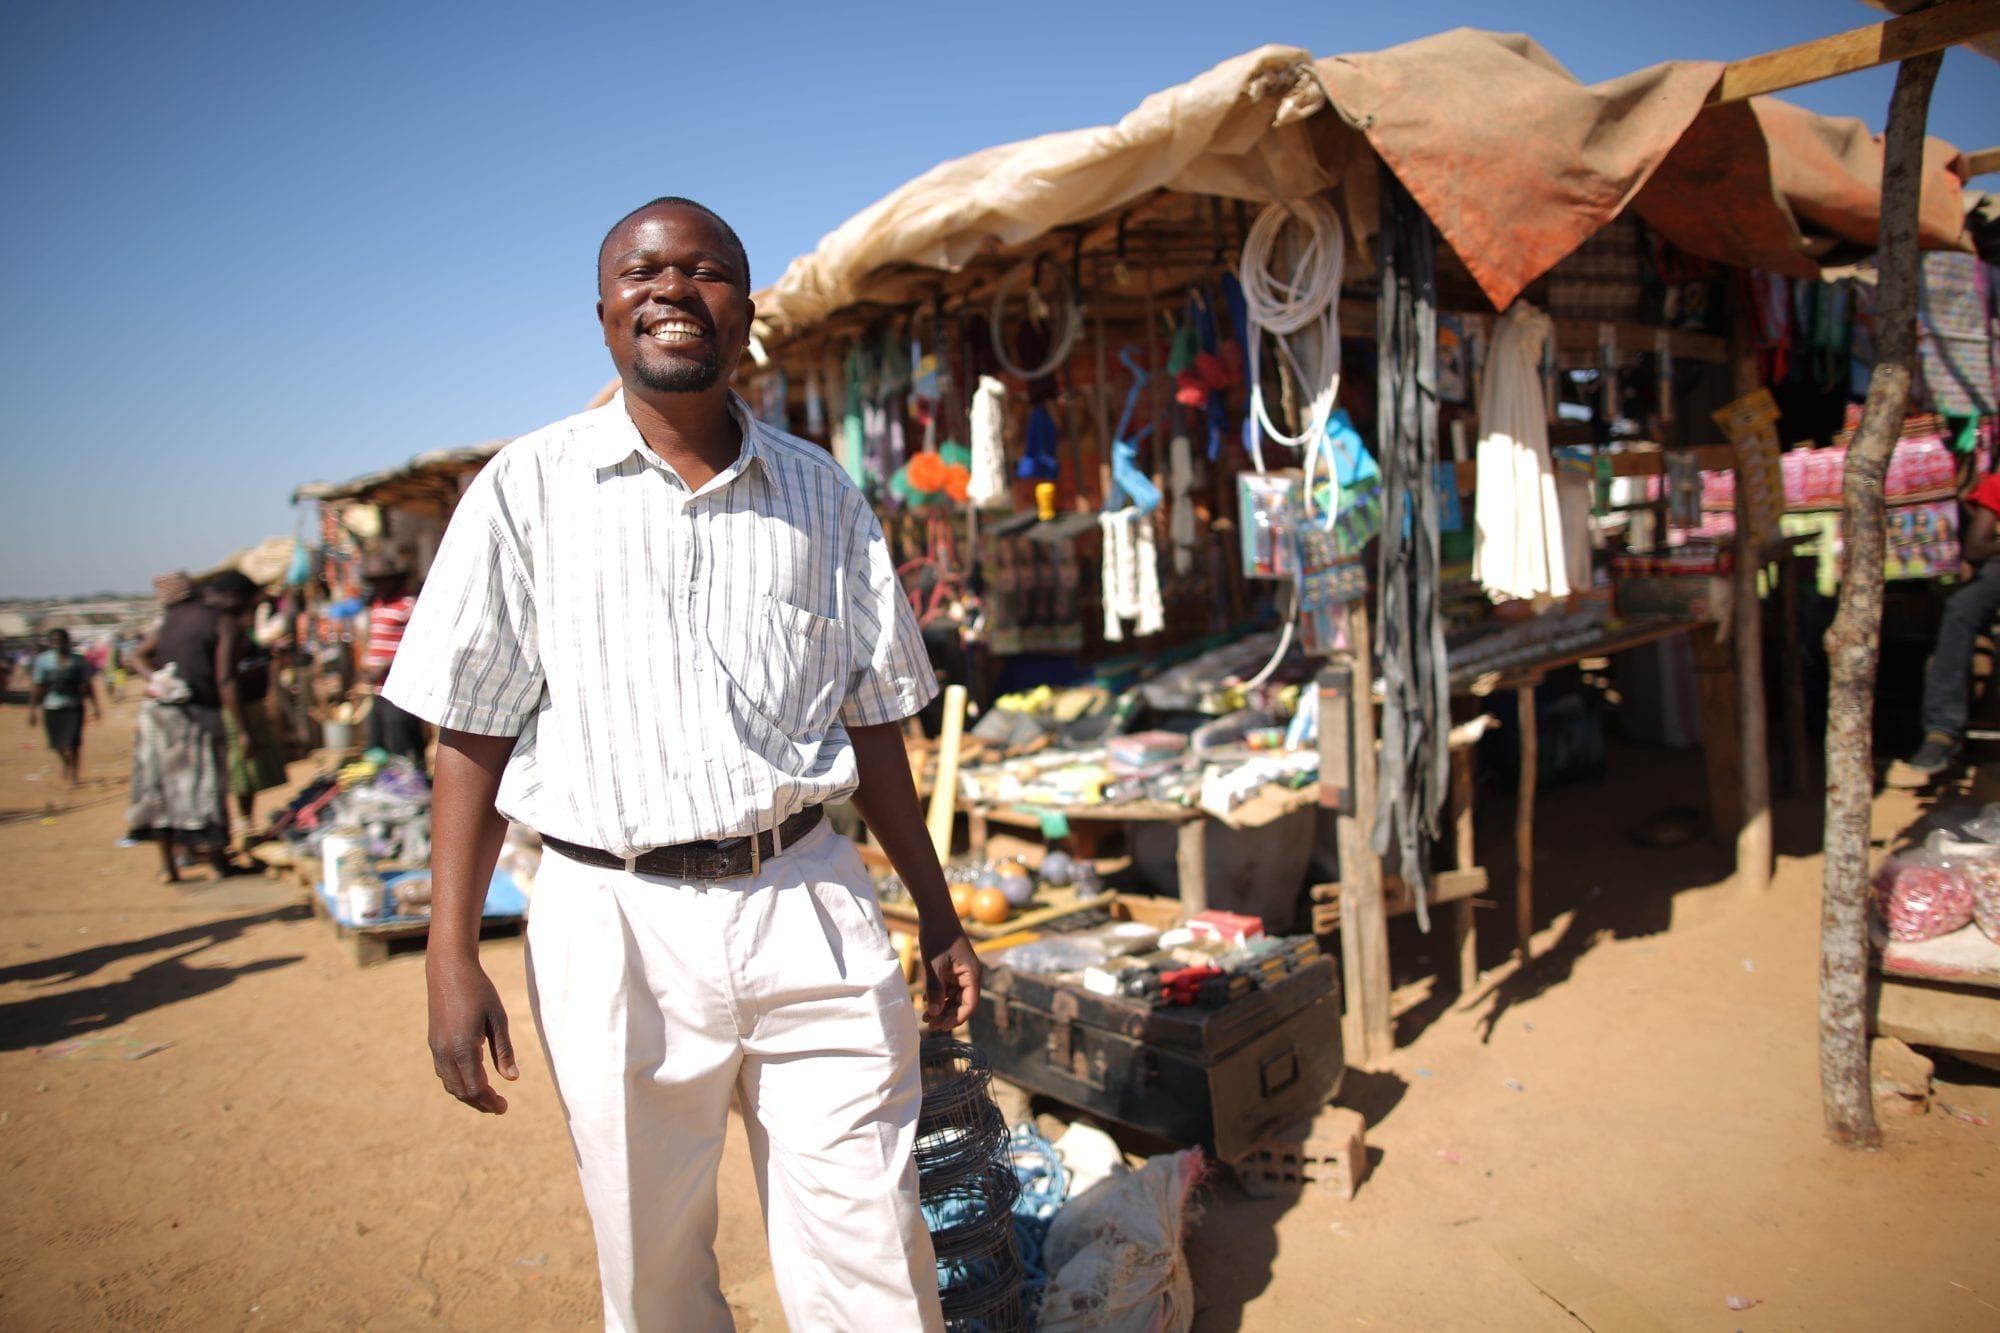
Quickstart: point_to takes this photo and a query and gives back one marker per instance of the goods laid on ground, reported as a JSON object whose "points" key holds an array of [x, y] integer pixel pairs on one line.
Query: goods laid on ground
{"points": [[360, 838]]}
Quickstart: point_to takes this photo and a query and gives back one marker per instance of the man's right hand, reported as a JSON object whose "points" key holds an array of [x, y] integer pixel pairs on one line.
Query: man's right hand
{"points": [[467, 1020]]}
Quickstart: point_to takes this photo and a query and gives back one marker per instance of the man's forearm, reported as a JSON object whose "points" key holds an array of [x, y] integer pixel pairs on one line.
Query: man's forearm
{"points": [[887, 800], [466, 834]]}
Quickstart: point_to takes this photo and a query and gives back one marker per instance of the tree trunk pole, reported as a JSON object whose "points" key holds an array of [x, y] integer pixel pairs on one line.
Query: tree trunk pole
{"points": [[1852, 645]]}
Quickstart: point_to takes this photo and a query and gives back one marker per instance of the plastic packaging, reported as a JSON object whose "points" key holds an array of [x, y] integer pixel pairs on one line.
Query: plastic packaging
{"points": [[1984, 875], [1923, 894]]}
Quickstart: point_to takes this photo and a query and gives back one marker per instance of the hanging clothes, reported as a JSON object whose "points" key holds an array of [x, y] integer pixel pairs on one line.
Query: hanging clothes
{"points": [[1517, 544], [1415, 773]]}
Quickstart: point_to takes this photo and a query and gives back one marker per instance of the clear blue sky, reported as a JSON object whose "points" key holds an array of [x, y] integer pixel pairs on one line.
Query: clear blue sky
{"points": [[249, 245]]}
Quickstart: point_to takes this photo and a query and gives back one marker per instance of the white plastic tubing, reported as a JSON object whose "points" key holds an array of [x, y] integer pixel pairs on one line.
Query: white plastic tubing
{"points": [[1306, 299]]}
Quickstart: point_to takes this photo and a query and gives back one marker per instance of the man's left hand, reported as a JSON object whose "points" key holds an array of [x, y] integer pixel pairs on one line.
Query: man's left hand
{"points": [[951, 981]]}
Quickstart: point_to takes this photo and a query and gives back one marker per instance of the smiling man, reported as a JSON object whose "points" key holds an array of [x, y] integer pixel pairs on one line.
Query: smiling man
{"points": [[666, 636]]}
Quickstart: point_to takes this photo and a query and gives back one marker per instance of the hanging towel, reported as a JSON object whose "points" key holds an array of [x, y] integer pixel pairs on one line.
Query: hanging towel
{"points": [[988, 486], [1517, 551]]}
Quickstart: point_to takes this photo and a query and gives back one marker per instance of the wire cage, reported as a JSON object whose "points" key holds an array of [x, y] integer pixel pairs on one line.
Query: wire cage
{"points": [[969, 1189]]}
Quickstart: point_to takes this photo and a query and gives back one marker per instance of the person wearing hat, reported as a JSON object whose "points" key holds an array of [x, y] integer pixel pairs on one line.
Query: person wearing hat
{"points": [[389, 605]]}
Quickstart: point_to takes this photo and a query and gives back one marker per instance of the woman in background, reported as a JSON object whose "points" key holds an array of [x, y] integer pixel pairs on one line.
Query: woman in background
{"points": [[256, 759], [179, 766]]}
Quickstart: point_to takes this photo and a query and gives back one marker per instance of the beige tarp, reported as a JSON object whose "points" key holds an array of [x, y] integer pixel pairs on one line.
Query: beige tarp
{"points": [[1239, 131], [1513, 159]]}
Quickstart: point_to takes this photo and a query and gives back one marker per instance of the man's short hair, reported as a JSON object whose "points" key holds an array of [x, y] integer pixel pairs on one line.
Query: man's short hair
{"points": [[679, 201]]}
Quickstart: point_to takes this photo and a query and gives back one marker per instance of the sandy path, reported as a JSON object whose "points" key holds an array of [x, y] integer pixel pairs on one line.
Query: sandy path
{"points": [[289, 1161]]}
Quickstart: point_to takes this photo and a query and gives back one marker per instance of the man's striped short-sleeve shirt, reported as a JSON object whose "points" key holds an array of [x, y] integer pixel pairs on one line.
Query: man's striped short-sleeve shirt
{"points": [[677, 665]]}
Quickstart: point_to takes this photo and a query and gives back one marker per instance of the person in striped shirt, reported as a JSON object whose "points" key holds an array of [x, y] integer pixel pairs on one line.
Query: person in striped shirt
{"points": [[666, 636], [389, 605]]}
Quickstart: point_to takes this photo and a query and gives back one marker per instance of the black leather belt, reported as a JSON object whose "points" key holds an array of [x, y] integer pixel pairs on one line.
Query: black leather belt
{"points": [[724, 858]]}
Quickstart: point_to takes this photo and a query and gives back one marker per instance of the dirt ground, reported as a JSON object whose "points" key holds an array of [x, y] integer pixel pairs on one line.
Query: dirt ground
{"points": [[1642, 1104]]}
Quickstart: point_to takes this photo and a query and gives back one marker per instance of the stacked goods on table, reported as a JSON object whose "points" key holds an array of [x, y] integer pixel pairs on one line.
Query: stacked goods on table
{"points": [[1937, 904], [1213, 727], [969, 1188]]}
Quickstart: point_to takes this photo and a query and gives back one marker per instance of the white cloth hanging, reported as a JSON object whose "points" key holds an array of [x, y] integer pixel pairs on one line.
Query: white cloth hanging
{"points": [[1180, 519], [1131, 575], [988, 483], [1518, 550]]}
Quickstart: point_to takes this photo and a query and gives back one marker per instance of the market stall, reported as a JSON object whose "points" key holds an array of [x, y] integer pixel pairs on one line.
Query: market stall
{"points": [[1239, 361]]}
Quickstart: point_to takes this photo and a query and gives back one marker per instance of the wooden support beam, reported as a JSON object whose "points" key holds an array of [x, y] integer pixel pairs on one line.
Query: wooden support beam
{"points": [[1885, 43], [1457, 887], [1364, 935], [1464, 934], [1524, 824], [1983, 161]]}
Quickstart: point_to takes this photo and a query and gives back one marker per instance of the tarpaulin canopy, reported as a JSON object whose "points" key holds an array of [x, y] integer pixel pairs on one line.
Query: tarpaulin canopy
{"points": [[1513, 159]]}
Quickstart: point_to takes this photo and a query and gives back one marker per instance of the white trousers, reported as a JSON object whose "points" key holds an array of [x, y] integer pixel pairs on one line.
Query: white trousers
{"points": [[656, 1000]]}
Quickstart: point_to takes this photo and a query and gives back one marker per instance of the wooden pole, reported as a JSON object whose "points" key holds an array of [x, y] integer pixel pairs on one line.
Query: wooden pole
{"points": [[1854, 641], [1798, 746], [1753, 820], [1524, 824], [1465, 938], [1364, 919], [944, 795]]}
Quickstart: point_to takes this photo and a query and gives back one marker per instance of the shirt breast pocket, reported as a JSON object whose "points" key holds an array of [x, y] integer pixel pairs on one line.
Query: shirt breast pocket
{"points": [[788, 664]]}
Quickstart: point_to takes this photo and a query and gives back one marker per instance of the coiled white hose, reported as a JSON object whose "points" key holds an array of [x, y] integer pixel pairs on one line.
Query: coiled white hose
{"points": [[1281, 307], [1068, 324]]}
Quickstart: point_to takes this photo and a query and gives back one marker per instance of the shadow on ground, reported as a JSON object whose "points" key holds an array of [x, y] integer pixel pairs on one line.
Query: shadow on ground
{"points": [[60, 1015]]}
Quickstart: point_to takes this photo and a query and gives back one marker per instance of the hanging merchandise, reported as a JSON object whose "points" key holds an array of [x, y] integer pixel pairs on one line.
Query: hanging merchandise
{"points": [[989, 455], [853, 429], [1129, 483], [1061, 326], [1305, 306], [1517, 551], [1416, 704], [1339, 450], [1040, 461], [815, 405], [1131, 577], [1180, 520], [1954, 345]]}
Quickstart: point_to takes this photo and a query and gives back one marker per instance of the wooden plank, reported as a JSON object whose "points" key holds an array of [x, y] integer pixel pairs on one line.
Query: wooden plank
{"points": [[1191, 864], [1455, 887], [1364, 935], [1524, 824], [1954, 1018], [1984, 160], [943, 804], [1885, 43]]}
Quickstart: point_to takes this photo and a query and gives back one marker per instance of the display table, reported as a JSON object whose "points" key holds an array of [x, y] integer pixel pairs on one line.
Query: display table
{"points": [[1943, 993], [1523, 678], [1089, 824]]}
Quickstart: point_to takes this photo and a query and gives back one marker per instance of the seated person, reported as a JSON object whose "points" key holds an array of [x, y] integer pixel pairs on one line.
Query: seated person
{"points": [[1948, 687]]}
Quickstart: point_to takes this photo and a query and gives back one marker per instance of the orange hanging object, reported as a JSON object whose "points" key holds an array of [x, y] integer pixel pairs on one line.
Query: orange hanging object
{"points": [[927, 473]]}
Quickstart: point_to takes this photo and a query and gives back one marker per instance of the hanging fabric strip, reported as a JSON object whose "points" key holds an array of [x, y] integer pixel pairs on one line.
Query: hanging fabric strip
{"points": [[989, 455], [1416, 704]]}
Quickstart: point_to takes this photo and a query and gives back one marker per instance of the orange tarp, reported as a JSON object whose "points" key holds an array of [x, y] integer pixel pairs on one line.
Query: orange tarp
{"points": [[1513, 159]]}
